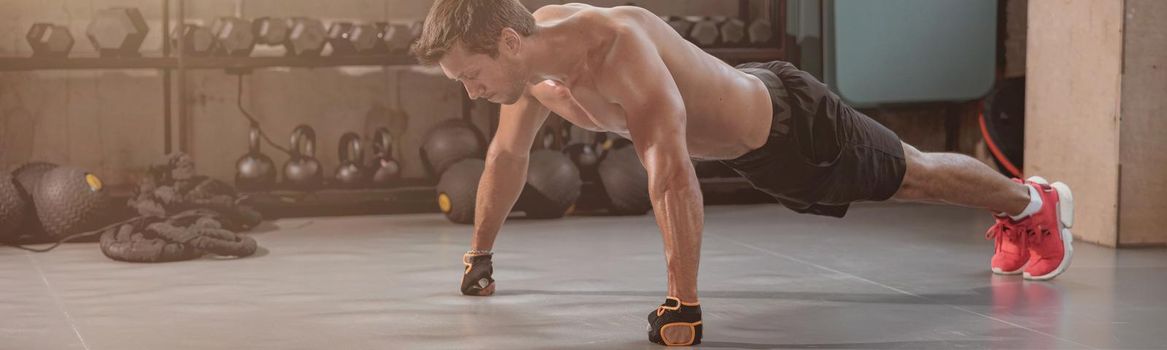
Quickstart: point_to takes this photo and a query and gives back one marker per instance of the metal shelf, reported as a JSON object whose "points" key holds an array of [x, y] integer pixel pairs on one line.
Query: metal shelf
{"points": [[38, 63]]}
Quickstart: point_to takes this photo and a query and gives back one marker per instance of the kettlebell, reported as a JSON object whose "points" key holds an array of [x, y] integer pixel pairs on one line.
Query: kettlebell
{"points": [[254, 170], [388, 169], [350, 173], [303, 171]]}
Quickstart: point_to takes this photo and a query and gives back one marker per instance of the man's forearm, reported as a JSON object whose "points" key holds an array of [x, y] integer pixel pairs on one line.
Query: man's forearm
{"points": [[502, 182], [677, 204]]}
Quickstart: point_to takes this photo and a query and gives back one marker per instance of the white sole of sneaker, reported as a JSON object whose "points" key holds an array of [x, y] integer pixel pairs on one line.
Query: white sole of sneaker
{"points": [[1065, 211], [997, 270]]}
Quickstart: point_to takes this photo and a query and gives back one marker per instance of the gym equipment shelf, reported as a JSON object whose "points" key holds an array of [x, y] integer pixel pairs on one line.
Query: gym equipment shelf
{"points": [[287, 203], [39, 63]]}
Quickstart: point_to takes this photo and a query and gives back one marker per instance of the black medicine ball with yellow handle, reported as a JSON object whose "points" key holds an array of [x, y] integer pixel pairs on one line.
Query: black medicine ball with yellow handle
{"points": [[71, 200], [458, 188]]}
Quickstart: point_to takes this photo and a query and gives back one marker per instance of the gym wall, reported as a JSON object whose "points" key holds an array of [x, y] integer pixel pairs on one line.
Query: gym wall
{"points": [[111, 121], [1096, 93]]}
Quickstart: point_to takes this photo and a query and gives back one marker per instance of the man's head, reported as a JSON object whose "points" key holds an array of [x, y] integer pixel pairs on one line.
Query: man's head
{"points": [[478, 43]]}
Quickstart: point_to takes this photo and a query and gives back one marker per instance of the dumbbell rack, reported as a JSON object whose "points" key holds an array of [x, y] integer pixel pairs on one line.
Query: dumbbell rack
{"points": [[174, 63]]}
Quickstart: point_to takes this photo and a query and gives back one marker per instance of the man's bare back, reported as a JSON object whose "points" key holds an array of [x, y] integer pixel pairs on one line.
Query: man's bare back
{"points": [[727, 114]]}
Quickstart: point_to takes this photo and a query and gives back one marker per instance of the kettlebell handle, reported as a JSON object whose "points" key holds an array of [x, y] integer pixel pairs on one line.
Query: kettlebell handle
{"points": [[253, 139], [303, 141], [350, 148], [383, 143]]}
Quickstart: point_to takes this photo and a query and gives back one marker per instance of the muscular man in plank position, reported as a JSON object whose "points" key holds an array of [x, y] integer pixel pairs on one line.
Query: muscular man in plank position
{"points": [[624, 70]]}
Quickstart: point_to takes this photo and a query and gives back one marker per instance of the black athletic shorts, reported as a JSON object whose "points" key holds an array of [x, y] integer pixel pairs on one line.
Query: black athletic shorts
{"points": [[821, 155]]}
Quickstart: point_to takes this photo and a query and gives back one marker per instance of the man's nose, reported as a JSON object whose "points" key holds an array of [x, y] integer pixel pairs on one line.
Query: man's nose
{"points": [[473, 92]]}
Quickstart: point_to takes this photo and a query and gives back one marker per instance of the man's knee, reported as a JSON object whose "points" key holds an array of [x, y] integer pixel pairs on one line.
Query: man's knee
{"points": [[916, 174]]}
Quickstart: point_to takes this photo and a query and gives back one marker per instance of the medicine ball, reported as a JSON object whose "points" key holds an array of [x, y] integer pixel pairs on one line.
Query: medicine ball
{"points": [[449, 142], [28, 176], [13, 208], [553, 185], [71, 200], [458, 188], [625, 180]]}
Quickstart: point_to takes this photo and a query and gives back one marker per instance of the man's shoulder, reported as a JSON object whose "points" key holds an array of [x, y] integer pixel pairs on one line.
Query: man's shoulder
{"points": [[585, 14]]}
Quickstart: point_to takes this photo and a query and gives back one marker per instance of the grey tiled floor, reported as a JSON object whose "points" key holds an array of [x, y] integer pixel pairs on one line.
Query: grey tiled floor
{"points": [[886, 277]]}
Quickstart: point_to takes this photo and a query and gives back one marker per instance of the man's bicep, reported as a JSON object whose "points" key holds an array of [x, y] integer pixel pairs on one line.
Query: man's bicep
{"points": [[518, 124]]}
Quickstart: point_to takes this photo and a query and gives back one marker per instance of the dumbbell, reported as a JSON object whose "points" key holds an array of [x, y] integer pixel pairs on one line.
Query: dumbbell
{"points": [[117, 32], [302, 171], [733, 33], [306, 37], [761, 33], [682, 25], [415, 30], [388, 169], [270, 31], [255, 171], [350, 173], [367, 39], [706, 32], [396, 36], [197, 40], [234, 36], [49, 40], [338, 38]]}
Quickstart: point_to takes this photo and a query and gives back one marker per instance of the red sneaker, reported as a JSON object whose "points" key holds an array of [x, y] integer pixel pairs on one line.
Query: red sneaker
{"points": [[1048, 234], [1010, 253]]}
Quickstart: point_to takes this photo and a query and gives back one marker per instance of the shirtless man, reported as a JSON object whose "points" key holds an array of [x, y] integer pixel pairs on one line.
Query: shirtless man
{"points": [[624, 70]]}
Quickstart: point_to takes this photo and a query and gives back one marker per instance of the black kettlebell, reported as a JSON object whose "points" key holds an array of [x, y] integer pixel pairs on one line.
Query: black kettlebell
{"points": [[350, 173], [388, 168], [254, 170], [303, 171]]}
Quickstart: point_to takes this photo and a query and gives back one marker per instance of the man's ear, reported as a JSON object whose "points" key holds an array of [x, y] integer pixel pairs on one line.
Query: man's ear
{"points": [[510, 41]]}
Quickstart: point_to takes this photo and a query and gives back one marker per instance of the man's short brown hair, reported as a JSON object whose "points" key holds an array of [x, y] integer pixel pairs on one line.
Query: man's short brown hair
{"points": [[474, 23]]}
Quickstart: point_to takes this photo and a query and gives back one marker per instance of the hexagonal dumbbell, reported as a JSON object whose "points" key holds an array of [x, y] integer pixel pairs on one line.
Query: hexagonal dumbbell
{"points": [[366, 38], [397, 37], [196, 40], [117, 31], [705, 32], [415, 30], [49, 40], [338, 38], [761, 33], [270, 31], [733, 33], [680, 24], [234, 36], [306, 37]]}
